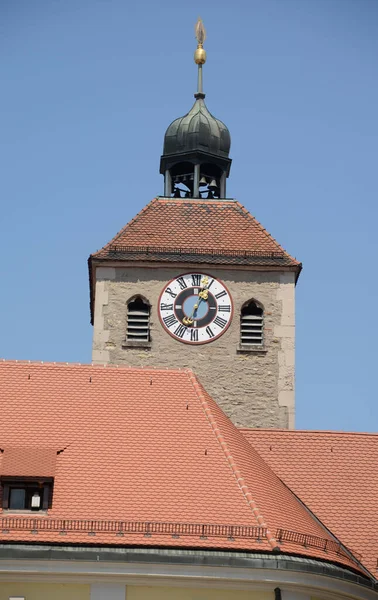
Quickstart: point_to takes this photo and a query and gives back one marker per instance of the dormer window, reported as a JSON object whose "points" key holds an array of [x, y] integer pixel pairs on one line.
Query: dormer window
{"points": [[26, 494], [27, 477]]}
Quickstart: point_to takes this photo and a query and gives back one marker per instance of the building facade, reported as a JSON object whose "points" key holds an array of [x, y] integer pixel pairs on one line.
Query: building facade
{"points": [[133, 479]]}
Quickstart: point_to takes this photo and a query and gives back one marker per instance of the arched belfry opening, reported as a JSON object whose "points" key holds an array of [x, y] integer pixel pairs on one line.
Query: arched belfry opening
{"points": [[195, 160]]}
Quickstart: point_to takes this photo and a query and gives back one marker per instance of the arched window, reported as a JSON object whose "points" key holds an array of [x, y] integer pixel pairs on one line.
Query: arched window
{"points": [[252, 323], [138, 320]]}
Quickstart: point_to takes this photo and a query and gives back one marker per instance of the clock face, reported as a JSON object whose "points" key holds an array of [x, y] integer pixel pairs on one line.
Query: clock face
{"points": [[195, 308]]}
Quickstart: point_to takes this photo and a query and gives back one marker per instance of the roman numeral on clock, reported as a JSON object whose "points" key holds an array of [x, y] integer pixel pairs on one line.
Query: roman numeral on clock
{"points": [[194, 335], [220, 322], [166, 306], [221, 294], [180, 331], [209, 332], [224, 308], [170, 320], [196, 280], [182, 283], [171, 294]]}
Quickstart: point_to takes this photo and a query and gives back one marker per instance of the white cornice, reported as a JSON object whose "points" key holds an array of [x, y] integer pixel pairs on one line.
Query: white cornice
{"points": [[153, 574]]}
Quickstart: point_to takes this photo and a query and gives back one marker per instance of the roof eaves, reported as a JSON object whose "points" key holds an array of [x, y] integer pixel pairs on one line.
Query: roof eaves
{"points": [[353, 557], [263, 230], [91, 289]]}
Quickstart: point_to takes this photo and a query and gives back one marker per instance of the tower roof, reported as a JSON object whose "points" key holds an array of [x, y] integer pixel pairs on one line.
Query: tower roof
{"points": [[168, 229], [197, 130]]}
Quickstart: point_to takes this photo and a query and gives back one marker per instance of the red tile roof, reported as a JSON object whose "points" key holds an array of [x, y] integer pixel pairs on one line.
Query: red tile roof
{"points": [[335, 474], [28, 462], [222, 227], [151, 449]]}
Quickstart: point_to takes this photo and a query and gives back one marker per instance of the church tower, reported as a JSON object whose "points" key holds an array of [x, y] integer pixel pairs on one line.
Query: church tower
{"points": [[195, 281]]}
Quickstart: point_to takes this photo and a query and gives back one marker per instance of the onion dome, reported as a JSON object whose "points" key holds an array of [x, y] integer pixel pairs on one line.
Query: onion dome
{"points": [[198, 130], [195, 160]]}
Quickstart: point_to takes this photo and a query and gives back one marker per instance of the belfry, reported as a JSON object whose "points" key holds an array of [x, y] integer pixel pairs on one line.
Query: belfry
{"points": [[194, 281], [196, 146]]}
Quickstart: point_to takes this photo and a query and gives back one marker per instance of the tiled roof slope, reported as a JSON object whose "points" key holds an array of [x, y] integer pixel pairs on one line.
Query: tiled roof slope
{"points": [[203, 227], [147, 446], [28, 462], [335, 474]]}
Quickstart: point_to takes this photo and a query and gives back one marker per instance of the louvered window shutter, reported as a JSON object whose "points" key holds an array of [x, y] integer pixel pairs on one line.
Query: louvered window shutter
{"points": [[251, 324], [138, 321]]}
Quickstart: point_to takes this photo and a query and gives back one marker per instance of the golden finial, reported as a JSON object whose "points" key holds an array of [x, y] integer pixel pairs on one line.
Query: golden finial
{"points": [[200, 53]]}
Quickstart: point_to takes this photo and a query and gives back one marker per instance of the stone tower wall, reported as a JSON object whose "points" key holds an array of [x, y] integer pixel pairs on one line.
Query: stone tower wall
{"points": [[255, 389]]}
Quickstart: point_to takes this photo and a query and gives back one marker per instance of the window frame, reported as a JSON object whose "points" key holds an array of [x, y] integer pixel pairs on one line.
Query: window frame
{"points": [[29, 484]]}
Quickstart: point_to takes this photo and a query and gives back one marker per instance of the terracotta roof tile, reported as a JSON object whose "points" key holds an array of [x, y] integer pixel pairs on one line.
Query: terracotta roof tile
{"points": [[335, 474], [199, 227], [149, 455], [28, 462]]}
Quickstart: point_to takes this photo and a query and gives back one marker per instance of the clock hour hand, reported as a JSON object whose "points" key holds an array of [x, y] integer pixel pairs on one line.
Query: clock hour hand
{"points": [[189, 320]]}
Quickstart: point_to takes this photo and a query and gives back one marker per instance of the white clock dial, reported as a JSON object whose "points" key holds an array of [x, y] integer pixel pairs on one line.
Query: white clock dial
{"points": [[195, 308]]}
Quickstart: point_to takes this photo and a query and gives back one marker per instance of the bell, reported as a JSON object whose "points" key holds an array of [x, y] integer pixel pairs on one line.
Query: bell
{"points": [[202, 181], [213, 185], [210, 195], [177, 193], [188, 194]]}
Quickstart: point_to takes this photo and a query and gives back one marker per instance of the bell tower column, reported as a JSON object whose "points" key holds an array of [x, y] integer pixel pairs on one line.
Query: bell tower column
{"points": [[197, 171], [167, 184]]}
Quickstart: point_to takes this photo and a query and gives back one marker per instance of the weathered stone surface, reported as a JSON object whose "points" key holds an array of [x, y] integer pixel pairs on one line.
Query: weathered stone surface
{"points": [[255, 389]]}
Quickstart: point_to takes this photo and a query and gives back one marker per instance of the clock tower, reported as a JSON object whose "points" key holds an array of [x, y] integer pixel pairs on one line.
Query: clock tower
{"points": [[195, 281]]}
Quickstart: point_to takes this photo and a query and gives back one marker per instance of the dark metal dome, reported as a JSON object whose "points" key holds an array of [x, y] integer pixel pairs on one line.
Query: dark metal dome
{"points": [[197, 130]]}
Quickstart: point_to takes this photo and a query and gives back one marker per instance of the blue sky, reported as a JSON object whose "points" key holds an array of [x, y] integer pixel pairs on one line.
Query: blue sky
{"points": [[88, 89]]}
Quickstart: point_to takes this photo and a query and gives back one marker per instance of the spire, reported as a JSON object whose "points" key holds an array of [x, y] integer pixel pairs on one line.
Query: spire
{"points": [[200, 55], [195, 160]]}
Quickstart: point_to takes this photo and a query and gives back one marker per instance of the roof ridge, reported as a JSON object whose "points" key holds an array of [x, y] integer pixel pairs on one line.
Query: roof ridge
{"points": [[310, 431], [227, 453], [266, 232]]}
